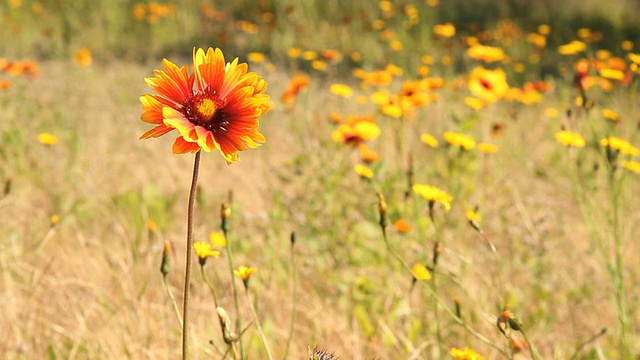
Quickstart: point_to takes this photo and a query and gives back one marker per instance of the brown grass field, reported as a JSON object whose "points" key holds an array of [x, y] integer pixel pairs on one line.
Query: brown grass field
{"points": [[80, 256]]}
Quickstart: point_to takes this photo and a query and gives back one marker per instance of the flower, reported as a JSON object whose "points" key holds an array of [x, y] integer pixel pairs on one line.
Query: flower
{"points": [[568, 138], [342, 90], [204, 250], [297, 85], [446, 30], [488, 85], [83, 57], [466, 354], [47, 139], [429, 140], [433, 194], [620, 145], [488, 148], [611, 115], [402, 226], [367, 155], [631, 166], [363, 171], [486, 53], [457, 139], [244, 273], [420, 272], [217, 239], [473, 216], [572, 48], [215, 108], [356, 130]]}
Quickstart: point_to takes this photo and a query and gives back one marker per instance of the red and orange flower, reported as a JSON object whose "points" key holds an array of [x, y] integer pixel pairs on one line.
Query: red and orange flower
{"points": [[217, 107]]}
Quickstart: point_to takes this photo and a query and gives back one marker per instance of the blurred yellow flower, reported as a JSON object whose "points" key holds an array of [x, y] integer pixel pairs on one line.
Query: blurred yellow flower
{"points": [[217, 239], [342, 90], [568, 138], [631, 166], [294, 53], [461, 140], [488, 85], [538, 40], [627, 45], [244, 272], [620, 145], [356, 131], [446, 30], [473, 216], [474, 103], [613, 74], [488, 148], [551, 112], [611, 115], [319, 65], [255, 57], [429, 139], [363, 171], [47, 139], [433, 194], [544, 29], [83, 58], [465, 354], [486, 53], [367, 155], [420, 272], [572, 48]]}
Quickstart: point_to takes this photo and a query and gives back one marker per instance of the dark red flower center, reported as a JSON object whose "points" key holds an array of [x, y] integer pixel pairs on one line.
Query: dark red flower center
{"points": [[206, 110], [485, 84]]}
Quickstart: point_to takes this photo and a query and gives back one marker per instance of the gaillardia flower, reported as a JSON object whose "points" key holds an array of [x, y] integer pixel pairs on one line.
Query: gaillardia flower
{"points": [[217, 107]]}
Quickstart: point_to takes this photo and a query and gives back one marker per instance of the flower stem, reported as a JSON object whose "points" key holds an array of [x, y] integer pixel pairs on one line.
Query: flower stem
{"points": [[235, 288], [258, 326], [294, 294], [211, 288], [165, 282], [187, 271]]}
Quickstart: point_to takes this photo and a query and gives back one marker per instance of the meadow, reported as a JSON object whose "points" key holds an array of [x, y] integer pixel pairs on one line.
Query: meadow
{"points": [[440, 180]]}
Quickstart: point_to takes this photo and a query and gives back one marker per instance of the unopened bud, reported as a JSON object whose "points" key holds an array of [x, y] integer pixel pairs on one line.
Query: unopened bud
{"points": [[437, 250], [225, 322], [225, 213], [164, 267], [382, 209], [293, 238]]}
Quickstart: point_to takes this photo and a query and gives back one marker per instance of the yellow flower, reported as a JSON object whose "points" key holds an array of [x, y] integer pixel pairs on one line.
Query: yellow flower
{"points": [[217, 239], [538, 40], [466, 354], [256, 57], [445, 30], [572, 48], [613, 74], [611, 115], [462, 140], [356, 131], [474, 103], [486, 53], [544, 29], [429, 140], [488, 85], [620, 145], [367, 155], [204, 250], [47, 139], [488, 148], [363, 171], [433, 194], [568, 138], [473, 216], [152, 226], [245, 273], [420, 272], [631, 165], [551, 112], [342, 90], [83, 57]]}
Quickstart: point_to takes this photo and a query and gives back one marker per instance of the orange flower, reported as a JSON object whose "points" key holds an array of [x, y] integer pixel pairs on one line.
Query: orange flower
{"points": [[215, 108], [297, 85]]}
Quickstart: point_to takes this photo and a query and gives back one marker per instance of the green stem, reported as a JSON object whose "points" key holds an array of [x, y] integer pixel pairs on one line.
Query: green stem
{"points": [[535, 355], [187, 272], [434, 288], [235, 289], [165, 282], [211, 288], [294, 295], [258, 326]]}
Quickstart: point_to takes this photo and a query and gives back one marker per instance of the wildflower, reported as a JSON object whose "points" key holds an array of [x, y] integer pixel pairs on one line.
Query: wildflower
{"points": [[568, 138], [256, 57], [488, 85], [215, 108], [488, 148], [540, 41], [228, 335], [544, 29], [356, 131], [165, 265], [4, 84], [611, 115], [342, 90], [465, 354], [204, 250], [294, 53], [367, 155], [363, 171], [217, 239], [152, 226], [47, 139], [572, 48], [245, 273], [297, 85], [434, 195], [631, 166], [517, 343], [551, 112], [382, 210], [486, 53], [83, 58], [321, 354], [420, 272], [319, 65], [402, 226], [429, 140], [54, 219], [620, 145], [446, 30], [474, 103], [456, 139]]}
